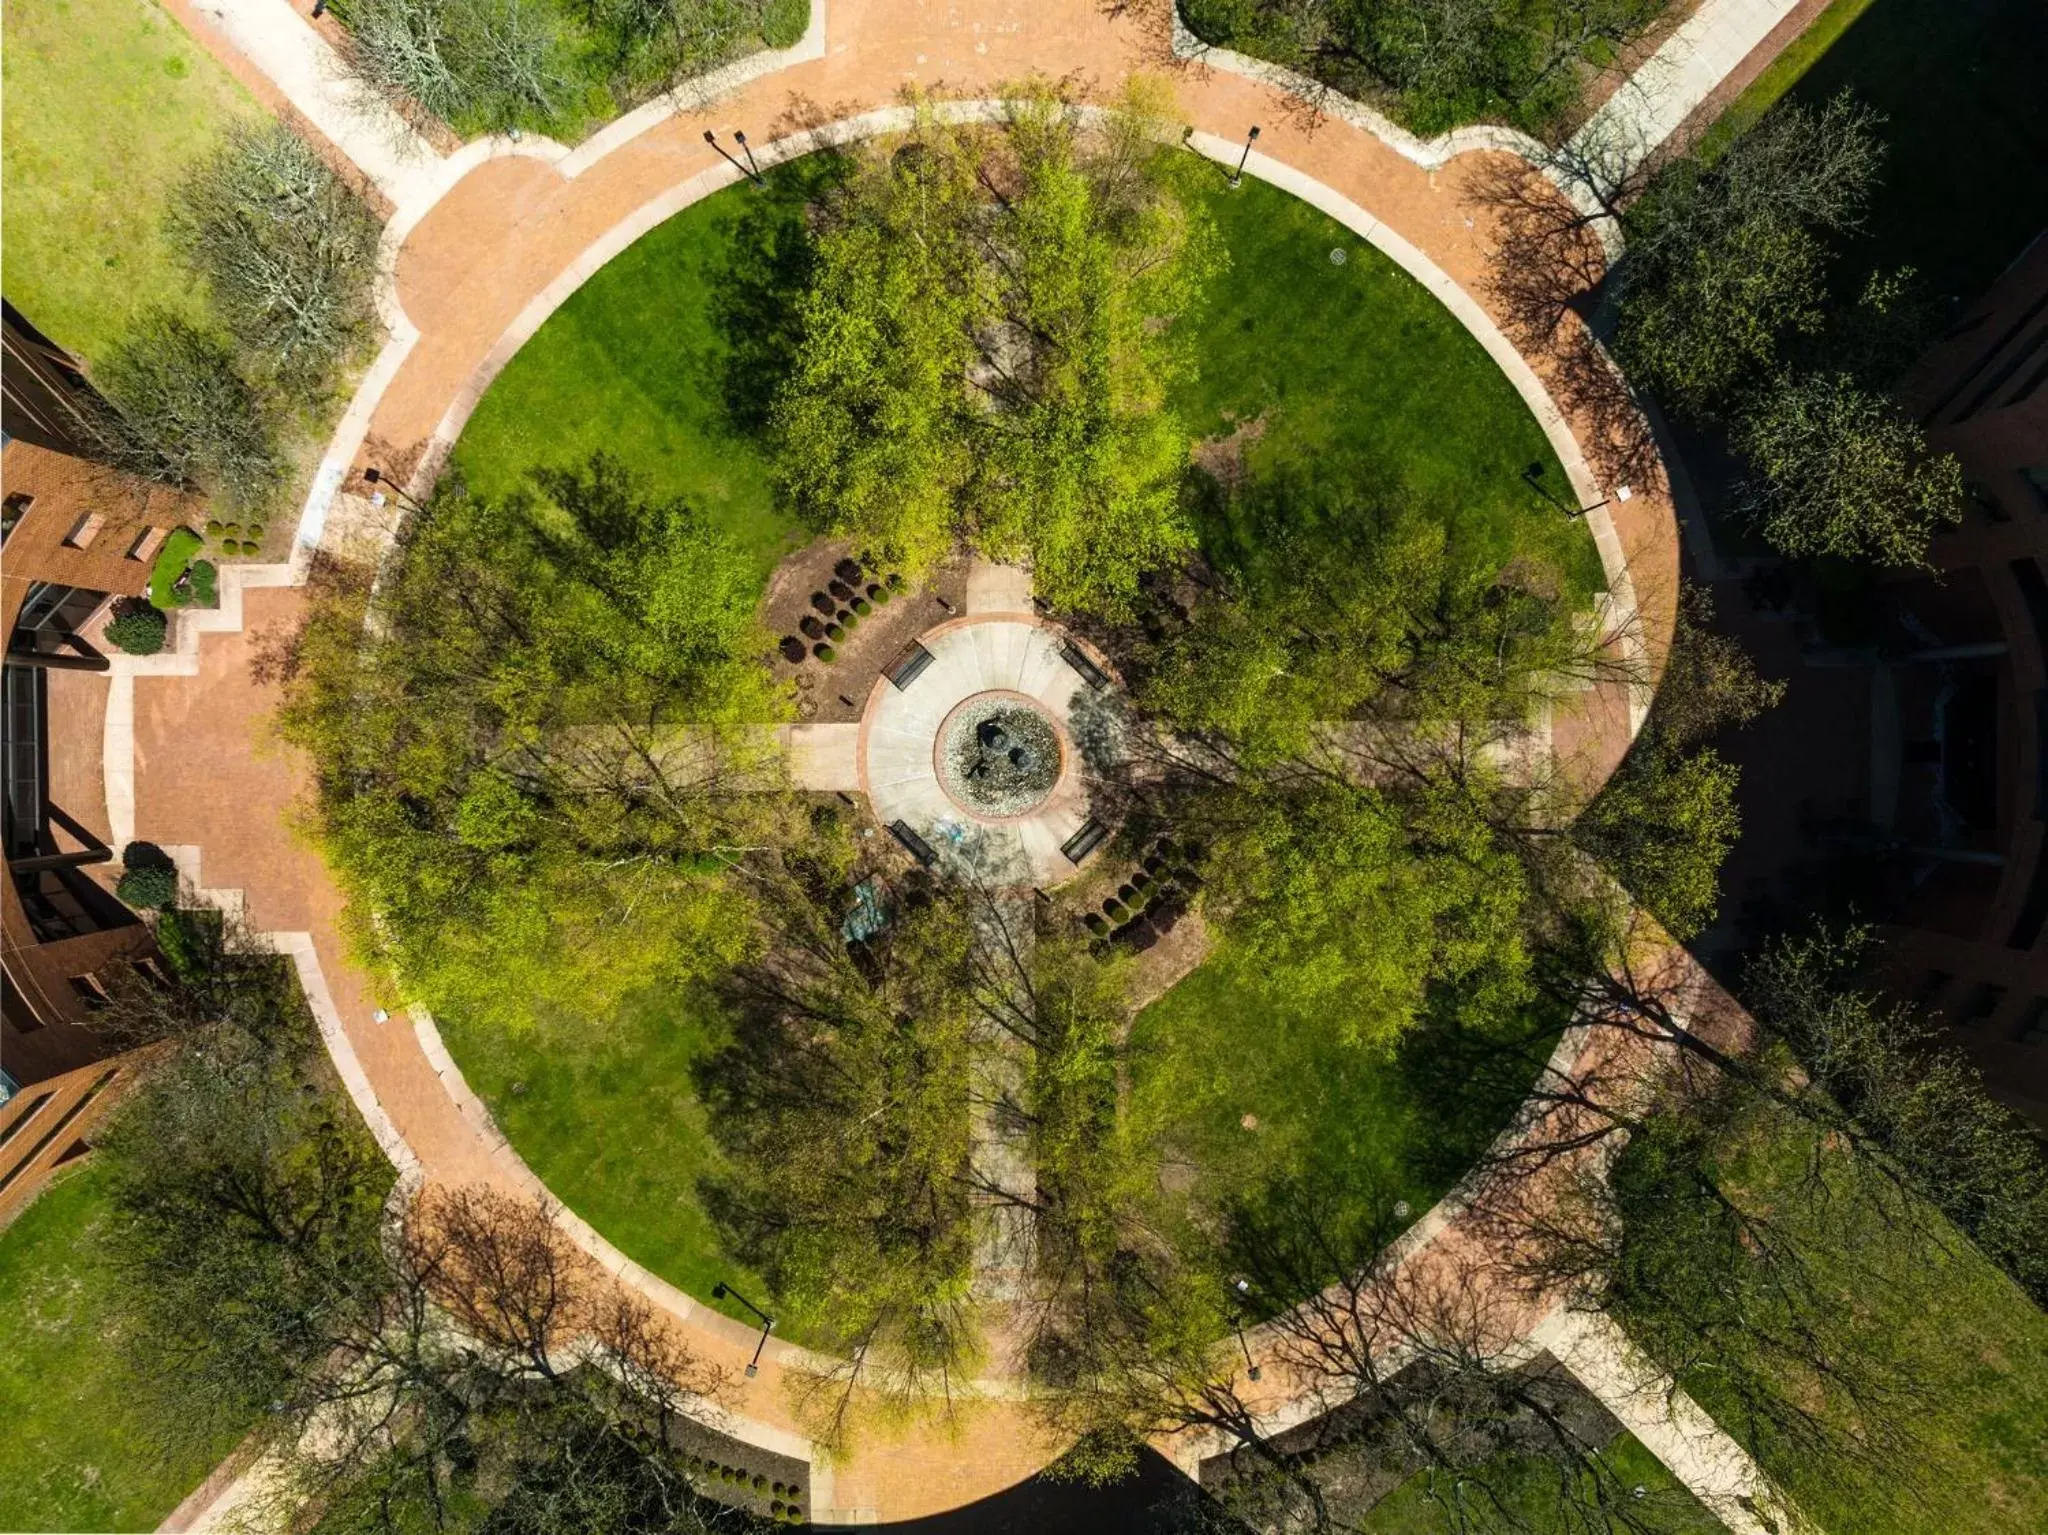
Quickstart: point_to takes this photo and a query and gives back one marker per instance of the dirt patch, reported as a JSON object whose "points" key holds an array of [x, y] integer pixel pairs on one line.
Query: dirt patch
{"points": [[1170, 961], [1222, 458], [814, 586]]}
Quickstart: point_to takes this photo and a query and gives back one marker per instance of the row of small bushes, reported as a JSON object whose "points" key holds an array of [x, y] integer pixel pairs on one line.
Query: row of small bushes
{"points": [[838, 610], [1161, 885], [784, 1499]]}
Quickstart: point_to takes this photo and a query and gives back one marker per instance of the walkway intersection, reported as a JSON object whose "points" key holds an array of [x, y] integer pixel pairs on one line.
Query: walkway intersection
{"points": [[486, 242]]}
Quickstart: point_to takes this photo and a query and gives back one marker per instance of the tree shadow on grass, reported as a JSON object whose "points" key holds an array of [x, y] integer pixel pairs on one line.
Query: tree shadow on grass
{"points": [[758, 291]]}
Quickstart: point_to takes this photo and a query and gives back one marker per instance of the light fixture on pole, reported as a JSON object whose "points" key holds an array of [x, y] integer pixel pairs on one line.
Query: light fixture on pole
{"points": [[1237, 176], [754, 169], [1237, 1324], [377, 477], [753, 176], [720, 1292]]}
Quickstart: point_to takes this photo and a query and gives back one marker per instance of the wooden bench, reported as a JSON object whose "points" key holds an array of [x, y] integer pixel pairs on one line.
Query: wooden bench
{"points": [[913, 844], [909, 666], [1084, 841], [1079, 659]]}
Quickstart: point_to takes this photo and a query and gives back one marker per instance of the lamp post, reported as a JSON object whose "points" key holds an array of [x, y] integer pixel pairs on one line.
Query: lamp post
{"points": [[720, 1292], [1533, 478], [375, 476], [753, 176], [752, 169], [1237, 176], [1237, 1325]]}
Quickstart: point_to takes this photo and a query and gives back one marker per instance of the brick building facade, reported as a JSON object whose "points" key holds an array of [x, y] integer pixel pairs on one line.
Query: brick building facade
{"points": [[77, 535]]}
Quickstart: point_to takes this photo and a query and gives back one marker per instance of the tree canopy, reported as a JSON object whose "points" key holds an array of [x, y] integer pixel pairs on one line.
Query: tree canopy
{"points": [[987, 345], [536, 756]]}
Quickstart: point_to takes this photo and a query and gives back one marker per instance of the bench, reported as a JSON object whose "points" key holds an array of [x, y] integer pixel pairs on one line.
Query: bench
{"points": [[1084, 841], [913, 844], [1079, 659], [909, 666]]}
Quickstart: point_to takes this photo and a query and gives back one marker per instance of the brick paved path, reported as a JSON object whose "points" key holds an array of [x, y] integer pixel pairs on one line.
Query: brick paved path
{"points": [[476, 272]]}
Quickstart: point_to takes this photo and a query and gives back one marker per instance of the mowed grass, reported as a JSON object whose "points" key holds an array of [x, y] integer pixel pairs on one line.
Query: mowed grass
{"points": [[107, 104], [1358, 375], [666, 359], [669, 357], [605, 1111], [1247, 1101], [1972, 1344], [76, 1454], [1528, 1489]]}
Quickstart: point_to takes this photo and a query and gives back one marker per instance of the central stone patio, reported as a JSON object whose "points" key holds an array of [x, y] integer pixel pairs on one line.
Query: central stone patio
{"points": [[990, 751]]}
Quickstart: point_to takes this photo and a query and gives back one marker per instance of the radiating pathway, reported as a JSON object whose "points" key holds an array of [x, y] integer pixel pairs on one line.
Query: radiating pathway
{"points": [[1669, 86]]}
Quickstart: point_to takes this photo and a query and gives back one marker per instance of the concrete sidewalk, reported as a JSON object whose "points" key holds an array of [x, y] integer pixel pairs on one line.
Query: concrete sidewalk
{"points": [[360, 123]]}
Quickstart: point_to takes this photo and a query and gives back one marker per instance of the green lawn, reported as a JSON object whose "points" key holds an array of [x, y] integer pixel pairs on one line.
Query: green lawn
{"points": [[667, 358], [1975, 1345], [1358, 372], [1529, 1489], [106, 104], [650, 360], [606, 1114], [1961, 85], [74, 1455], [1403, 1123]]}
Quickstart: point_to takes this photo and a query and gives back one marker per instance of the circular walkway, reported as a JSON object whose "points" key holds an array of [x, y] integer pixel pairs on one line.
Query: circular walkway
{"points": [[473, 277], [908, 730]]}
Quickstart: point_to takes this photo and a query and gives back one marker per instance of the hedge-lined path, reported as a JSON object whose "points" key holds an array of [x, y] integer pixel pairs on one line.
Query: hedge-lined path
{"points": [[475, 274]]}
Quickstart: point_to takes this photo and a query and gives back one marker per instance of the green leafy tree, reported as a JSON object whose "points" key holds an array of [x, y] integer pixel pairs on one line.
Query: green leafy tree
{"points": [[1725, 261], [987, 346], [539, 756], [1838, 469], [1919, 1104], [843, 1105], [249, 1199]]}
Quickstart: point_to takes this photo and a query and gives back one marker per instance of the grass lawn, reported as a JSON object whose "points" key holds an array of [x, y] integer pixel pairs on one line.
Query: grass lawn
{"points": [[1975, 1346], [606, 1114], [1529, 1489], [1357, 372], [666, 358], [1960, 83], [1404, 1123], [649, 360], [106, 104], [74, 1455]]}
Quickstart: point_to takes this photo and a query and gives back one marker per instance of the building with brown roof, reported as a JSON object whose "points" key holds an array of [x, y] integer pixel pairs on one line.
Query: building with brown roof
{"points": [[77, 536]]}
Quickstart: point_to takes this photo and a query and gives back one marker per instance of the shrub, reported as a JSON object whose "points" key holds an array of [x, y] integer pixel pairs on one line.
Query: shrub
{"points": [[1095, 923], [835, 632], [1127, 893], [895, 581], [214, 528], [862, 606], [148, 888], [825, 653], [847, 569], [202, 593], [491, 64], [1141, 880], [254, 530], [760, 1483], [878, 595], [137, 627], [811, 626], [288, 249], [849, 621], [184, 415], [1114, 909]]}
